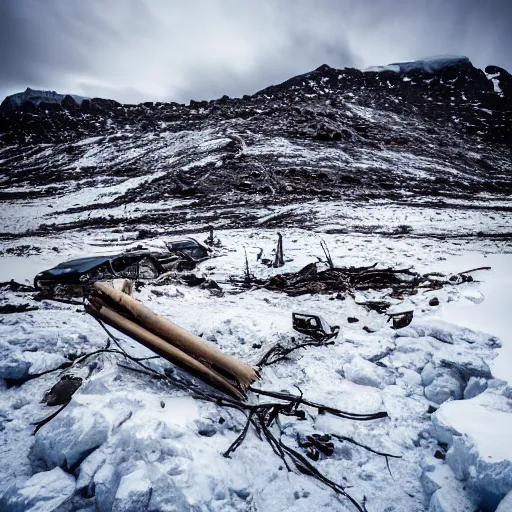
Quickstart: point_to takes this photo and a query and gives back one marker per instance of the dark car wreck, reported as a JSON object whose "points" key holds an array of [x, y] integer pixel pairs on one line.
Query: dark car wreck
{"points": [[70, 277]]}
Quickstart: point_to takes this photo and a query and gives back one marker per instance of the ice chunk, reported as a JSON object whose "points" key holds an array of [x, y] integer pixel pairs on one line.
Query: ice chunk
{"points": [[428, 374], [134, 491], [478, 431], [167, 495], [44, 492], [445, 332], [17, 364], [451, 499], [435, 476], [446, 385], [43, 361], [467, 365], [89, 468], [72, 435], [363, 372], [410, 376], [474, 387], [106, 482], [13, 364], [505, 504], [443, 491], [441, 384]]}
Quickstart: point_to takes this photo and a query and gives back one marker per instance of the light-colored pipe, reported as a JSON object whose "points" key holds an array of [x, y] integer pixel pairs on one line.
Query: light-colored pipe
{"points": [[164, 349], [189, 343]]}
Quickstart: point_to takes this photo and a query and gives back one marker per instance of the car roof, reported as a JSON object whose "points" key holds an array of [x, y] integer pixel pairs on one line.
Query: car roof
{"points": [[81, 264]]}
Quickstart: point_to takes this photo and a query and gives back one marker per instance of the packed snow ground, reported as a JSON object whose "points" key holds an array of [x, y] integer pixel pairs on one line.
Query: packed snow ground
{"points": [[126, 442]]}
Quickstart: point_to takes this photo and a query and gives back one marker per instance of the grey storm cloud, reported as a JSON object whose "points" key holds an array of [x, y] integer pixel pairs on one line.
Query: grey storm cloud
{"points": [[165, 50]]}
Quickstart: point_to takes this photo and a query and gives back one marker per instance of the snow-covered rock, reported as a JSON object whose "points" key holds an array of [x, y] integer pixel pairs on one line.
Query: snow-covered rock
{"points": [[36, 97], [49, 491], [427, 65], [432, 64]]}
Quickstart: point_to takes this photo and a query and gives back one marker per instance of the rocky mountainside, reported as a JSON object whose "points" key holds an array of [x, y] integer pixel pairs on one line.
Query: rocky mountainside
{"points": [[434, 129]]}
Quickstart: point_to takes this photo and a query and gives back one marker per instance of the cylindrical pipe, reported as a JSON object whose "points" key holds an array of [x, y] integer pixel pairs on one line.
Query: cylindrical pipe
{"points": [[164, 349], [189, 343]]}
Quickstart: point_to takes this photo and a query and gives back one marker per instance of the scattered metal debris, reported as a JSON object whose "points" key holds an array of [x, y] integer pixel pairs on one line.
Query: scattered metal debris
{"points": [[402, 319], [6, 309], [327, 253], [314, 326], [63, 390], [279, 258]]}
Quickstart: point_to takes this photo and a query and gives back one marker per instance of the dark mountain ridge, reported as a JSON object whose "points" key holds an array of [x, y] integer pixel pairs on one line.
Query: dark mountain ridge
{"points": [[456, 93]]}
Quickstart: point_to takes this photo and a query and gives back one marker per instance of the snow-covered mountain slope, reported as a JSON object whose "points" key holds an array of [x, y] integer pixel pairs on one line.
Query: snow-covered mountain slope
{"points": [[406, 167], [337, 134]]}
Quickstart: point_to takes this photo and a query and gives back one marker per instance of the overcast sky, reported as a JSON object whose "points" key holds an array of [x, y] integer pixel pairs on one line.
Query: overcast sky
{"points": [[177, 50]]}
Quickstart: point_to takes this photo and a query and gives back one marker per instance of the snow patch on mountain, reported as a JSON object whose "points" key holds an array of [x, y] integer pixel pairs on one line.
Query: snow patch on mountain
{"points": [[428, 65]]}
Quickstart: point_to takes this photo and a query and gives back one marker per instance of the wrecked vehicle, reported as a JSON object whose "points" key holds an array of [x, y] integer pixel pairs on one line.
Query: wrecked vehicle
{"points": [[70, 277]]}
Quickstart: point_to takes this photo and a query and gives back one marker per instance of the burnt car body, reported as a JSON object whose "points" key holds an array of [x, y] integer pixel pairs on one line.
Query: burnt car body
{"points": [[70, 277]]}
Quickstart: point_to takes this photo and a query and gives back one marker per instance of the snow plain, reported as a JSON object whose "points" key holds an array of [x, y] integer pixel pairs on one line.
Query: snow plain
{"points": [[126, 442]]}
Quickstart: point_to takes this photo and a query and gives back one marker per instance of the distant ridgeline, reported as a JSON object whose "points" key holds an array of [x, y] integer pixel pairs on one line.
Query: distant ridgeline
{"points": [[34, 97]]}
